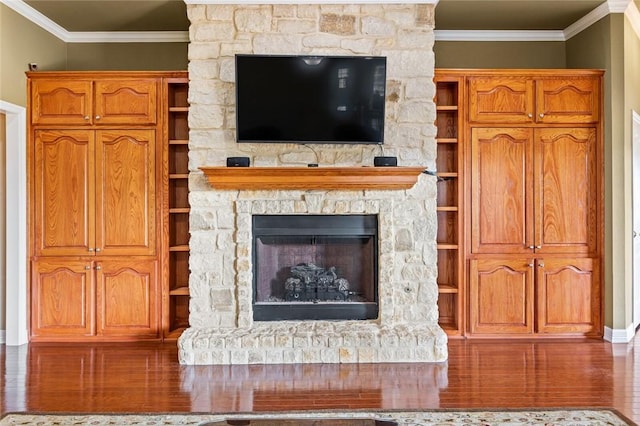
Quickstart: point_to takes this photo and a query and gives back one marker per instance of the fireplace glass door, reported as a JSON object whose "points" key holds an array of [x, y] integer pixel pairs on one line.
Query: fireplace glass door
{"points": [[315, 267]]}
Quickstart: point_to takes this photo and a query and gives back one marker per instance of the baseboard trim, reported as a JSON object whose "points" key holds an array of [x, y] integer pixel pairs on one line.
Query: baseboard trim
{"points": [[619, 335]]}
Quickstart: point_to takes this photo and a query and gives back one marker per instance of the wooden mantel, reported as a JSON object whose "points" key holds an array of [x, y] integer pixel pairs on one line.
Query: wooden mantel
{"points": [[331, 178]]}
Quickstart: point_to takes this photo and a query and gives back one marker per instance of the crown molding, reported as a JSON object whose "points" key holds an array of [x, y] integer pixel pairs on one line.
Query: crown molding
{"points": [[94, 37], [250, 2], [128, 37], [499, 35]]}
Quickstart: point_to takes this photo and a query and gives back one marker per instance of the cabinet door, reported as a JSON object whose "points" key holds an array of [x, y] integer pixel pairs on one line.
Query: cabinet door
{"points": [[127, 293], [501, 296], [568, 293], [506, 100], [64, 200], [571, 100], [58, 101], [125, 192], [501, 190], [62, 299], [126, 101], [566, 200]]}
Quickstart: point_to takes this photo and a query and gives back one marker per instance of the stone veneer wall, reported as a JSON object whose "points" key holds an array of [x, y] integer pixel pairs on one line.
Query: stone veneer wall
{"points": [[222, 330]]}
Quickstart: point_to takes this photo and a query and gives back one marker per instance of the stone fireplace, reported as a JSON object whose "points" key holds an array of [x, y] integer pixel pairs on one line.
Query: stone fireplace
{"points": [[224, 328]]}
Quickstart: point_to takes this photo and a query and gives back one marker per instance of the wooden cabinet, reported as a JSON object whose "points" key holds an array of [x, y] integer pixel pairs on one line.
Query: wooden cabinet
{"points": [[82, 299], [523, 204], [95, 192], [533, 176], [533, 190], [449, 123], [176, 298], [97, 169], [72, 100], [542, 99], [528, 296]]}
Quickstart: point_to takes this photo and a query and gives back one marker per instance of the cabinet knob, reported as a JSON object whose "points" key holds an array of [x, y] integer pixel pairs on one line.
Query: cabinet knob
{"points": [[98, 267], [86, 117], [531, 247], [87, 267], [530, 115], [98, 117], [541, 115], [541, 264], [98, 250], [530, 265], [538, 247], [90, 249]]}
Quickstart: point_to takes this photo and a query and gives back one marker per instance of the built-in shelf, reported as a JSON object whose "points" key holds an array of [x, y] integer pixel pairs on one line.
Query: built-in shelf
{"points": [[180, 291], [447, 288], [176, 305], [339, 178], [450, 113]]}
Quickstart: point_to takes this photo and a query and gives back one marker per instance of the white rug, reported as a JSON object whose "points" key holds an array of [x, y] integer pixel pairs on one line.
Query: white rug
{"points": [[573, 417]]}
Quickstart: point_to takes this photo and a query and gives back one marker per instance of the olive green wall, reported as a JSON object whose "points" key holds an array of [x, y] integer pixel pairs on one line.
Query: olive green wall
{"points": [[22, 42], [512, 54], [127, 56]]}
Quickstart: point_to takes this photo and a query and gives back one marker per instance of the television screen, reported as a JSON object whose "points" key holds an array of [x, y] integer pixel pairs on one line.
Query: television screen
{"points": [[310, 99]]}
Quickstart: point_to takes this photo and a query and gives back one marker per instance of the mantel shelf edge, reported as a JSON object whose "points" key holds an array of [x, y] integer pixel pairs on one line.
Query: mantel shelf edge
{"points": [[312, 178]]}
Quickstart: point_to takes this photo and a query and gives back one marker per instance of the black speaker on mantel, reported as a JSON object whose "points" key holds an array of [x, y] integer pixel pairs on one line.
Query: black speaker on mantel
{"points": [[385, 161], [237, 161]]}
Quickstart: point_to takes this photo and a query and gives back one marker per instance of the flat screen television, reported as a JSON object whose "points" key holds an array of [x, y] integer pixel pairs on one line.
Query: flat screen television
{"points": [[310, 99]]}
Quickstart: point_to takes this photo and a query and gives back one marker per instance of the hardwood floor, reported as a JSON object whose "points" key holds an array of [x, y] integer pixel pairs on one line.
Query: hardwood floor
{"points": [[479, 374]]}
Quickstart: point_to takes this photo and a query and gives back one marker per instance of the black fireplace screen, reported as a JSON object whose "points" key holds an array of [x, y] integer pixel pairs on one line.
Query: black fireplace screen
{"points": [[311, 267]]}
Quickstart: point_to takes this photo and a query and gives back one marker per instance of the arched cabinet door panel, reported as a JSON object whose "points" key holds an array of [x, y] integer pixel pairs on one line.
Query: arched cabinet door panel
{"points": [[125, 192], [501, 296], [568, 296], [127, 298], [566, 204], [501, 190], [64, 192], [62, 299]]}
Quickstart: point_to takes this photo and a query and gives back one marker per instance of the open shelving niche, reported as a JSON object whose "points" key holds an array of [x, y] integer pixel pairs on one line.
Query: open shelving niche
{"points": [[449, 119], [176, 303]]}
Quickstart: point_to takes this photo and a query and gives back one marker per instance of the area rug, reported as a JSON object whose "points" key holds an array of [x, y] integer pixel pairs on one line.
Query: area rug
{"points": [[565, 417]]}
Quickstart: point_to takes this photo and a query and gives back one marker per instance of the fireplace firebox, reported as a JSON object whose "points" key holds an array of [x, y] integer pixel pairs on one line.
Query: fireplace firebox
{"points": [[315, 267]]}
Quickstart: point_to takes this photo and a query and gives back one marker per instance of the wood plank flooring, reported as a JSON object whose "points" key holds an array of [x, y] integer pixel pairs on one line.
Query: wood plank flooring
{"points": [[478, 374]]}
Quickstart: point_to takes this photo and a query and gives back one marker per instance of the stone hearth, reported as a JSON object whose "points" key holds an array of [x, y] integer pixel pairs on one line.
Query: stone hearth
{"points": [[222, 329]]}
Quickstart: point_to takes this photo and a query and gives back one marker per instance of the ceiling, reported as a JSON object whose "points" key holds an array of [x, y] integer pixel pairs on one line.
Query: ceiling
{"points": [[452, 15]]}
